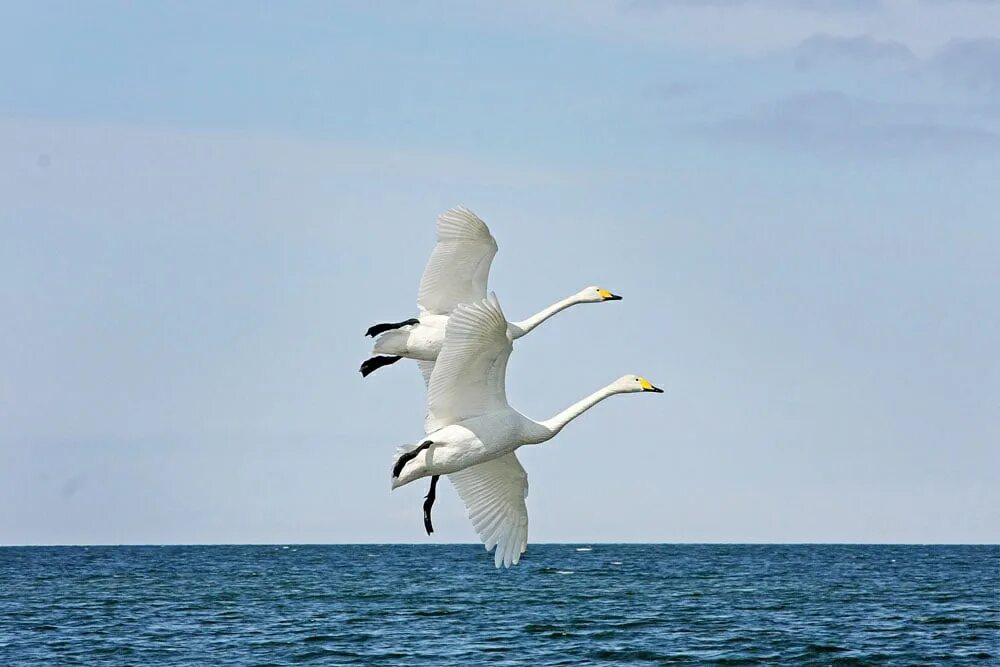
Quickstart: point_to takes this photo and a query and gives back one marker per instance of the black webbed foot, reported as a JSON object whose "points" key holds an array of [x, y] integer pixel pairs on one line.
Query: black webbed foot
{"points": [[406, 457], [428, 503], [376, 329], [369, 366]]}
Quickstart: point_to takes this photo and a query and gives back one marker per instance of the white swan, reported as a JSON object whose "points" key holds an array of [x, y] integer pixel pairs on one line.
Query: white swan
{"points": [[472, 432], [456, 273]]}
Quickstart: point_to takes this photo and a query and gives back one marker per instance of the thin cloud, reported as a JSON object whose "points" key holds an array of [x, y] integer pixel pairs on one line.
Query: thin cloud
{"points": [[822, 48], [744, 27], [986, 110], [970, 63], [837, 6], [672, 90], [973, 63], [833, 122]]}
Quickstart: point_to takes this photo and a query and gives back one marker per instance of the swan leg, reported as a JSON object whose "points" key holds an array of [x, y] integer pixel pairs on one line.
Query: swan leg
{"points": [[428, 503], [369, 366], [376, 329], [406, 457]]}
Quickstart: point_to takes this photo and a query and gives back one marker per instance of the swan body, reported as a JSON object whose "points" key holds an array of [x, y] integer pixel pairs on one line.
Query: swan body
{"points": [[472, 432], [421, 341], [471, 442], [456, 273]]}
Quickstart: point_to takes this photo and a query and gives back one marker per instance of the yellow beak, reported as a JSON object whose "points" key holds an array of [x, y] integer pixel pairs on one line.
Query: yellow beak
{"points": [[608, 296], [646, 386]]}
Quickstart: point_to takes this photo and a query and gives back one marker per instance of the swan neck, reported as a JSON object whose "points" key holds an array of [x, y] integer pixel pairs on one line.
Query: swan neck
{"points": [[518, 329], [557, 423]]}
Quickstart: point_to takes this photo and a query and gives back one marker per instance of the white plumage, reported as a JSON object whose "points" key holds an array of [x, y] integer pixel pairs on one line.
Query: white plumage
{"points": [[494, 494], [459, 266], [470, 380], [456, 273], [472, 432]]}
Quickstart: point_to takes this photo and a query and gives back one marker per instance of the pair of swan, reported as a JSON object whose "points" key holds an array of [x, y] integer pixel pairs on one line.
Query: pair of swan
{"points": [[462, 341]]}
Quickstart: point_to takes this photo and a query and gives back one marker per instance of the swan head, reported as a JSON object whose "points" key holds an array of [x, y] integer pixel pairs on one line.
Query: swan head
{"points": [[595, 294], [628, 384]]}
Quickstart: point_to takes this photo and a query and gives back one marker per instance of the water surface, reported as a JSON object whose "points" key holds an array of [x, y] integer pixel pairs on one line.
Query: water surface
{"points": [[447, 605]]}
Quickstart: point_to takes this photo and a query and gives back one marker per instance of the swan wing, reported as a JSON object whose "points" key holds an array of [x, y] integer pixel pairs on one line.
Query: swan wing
{"points": [[459, 266], [426, 368], [469, 377], [494, 493]]}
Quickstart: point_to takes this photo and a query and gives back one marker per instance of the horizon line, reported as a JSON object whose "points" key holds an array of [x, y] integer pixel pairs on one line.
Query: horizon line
{"points": [[479, 544]]}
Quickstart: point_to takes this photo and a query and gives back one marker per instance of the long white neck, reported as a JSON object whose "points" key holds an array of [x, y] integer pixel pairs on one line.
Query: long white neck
{"points": [[518, 329], [557, 423]]}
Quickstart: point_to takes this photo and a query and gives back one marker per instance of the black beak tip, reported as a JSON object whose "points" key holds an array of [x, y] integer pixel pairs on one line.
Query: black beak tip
{"points": [[656, 390], [613, 297]]}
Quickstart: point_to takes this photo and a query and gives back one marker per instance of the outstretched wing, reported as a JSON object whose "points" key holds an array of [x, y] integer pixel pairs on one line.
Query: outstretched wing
{"points": [[494, 493], [426, 368], [469, 377], [459, 266]]}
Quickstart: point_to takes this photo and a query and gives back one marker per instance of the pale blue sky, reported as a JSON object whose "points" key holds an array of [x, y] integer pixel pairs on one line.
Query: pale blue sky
{"points": [[204, 205]]}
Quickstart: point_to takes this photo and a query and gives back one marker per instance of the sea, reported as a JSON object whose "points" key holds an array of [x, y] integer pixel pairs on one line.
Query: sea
{"points": [[565, 604]]}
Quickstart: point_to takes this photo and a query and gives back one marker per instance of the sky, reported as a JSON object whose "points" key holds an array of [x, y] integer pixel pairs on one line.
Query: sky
{"points": [[203, 205]]}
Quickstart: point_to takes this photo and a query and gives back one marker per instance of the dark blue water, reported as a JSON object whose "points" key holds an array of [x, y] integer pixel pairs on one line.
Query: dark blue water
{"points": [[439, 605]]}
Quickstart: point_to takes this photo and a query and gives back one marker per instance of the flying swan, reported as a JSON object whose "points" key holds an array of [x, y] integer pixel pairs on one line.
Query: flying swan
{"points": [[472, 432], [456, 273]]}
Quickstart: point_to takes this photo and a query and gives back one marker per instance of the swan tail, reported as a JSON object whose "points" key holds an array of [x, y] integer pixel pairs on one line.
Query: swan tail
{"points": [[403, 456], [392, 342]]}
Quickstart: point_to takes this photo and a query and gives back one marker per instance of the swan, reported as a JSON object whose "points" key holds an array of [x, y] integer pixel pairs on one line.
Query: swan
{"points": [[456, 273], [472, 432]]}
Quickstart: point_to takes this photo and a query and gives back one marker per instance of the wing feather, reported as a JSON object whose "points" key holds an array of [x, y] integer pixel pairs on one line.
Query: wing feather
{"points": [[459, 266], [426, 368], [469, 377], [494, 494]]}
